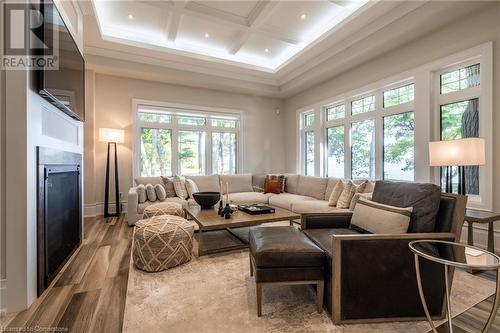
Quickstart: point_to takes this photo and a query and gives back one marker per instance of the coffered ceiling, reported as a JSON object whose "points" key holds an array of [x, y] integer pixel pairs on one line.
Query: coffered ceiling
{"points": [[262, 35], [222, 44]]}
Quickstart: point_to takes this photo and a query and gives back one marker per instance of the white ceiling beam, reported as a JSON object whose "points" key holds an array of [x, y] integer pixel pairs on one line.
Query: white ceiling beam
{"points": [[173, 26], [257, 16], [342, 3]]}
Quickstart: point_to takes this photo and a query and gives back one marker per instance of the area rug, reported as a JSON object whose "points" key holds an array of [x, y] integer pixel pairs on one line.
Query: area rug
{"points": [[216, 294]]}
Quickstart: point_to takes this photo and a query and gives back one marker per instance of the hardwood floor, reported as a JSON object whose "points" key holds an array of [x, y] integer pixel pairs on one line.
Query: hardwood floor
{"points": [[89, 293]]}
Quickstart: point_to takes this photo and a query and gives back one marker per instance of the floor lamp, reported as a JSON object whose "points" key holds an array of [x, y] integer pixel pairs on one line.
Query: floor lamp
{"points": [[112, 137], [459, 153]]}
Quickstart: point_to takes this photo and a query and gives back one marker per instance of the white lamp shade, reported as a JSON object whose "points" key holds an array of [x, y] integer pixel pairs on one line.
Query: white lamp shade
{"points": [[111, 135], [461, 152]]}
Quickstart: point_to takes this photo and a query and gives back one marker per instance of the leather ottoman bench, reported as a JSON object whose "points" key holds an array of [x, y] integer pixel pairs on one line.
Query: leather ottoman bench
{"points": [[284, 255]]}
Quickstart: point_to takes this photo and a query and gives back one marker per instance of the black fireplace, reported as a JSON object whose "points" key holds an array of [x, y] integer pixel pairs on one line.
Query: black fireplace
{"points": [[59, 225]]}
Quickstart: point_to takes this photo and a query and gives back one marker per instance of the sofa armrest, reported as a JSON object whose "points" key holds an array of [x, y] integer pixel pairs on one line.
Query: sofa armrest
{"points": [[325, 220], [132, 201], [382, 269]]}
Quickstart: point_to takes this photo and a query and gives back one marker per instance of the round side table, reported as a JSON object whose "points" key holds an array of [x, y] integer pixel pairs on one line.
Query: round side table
{"points": [[455, 255]]}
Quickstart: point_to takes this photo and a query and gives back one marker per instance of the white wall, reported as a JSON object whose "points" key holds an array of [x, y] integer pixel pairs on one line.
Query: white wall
{"points": [[262, 128]]}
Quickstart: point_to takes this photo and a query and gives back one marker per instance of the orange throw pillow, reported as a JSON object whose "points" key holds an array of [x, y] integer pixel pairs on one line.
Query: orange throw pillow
{"points": [[272, 186]]}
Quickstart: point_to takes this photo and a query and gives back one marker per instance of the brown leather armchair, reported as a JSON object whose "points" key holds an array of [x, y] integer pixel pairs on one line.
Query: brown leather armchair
{"points": [[371, 277]]}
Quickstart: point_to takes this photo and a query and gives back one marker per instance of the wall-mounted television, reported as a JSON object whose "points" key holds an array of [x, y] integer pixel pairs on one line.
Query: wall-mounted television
{"points": [[63, 87]]}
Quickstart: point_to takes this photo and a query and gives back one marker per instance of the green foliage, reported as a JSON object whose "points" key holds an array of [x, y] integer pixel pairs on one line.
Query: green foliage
{"points": [[399, 140], [363, 149]]}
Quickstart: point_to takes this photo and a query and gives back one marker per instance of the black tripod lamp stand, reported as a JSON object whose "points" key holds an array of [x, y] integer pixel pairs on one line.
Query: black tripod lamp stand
{"points": [[457, 153], [112, 137]]}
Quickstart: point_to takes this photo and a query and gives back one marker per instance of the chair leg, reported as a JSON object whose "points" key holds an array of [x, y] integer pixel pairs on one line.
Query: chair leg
{"points": [[251, 266], [319, 295], [258, 288]]}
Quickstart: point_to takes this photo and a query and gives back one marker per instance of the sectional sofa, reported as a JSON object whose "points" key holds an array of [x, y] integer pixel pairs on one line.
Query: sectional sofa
{"points": [[302, 194]]}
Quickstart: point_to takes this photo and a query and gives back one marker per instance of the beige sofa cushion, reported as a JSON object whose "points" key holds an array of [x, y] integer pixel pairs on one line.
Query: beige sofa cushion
{"points": [[330, 186], [285, 200], [148, 180], [335, 195], [356, 197], [315, 206], [349, 190], [291, 182], [248, 198], [206, 183], [312, 186], [142, 206], [191, 187], [237, 183], [168, 184]]}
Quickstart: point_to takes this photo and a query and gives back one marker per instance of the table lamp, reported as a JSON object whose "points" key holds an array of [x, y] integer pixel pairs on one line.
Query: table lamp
{"points": [[112, 137], [459, 153]]}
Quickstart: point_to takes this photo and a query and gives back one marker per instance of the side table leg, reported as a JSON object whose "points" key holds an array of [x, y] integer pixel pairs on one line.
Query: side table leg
{"points": [[491, 238], [494, 309], [422, 296], [448, 305], [470, 233], [200, 242]]}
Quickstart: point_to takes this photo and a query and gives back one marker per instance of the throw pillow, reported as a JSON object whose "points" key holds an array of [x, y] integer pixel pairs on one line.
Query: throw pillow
{"points": [[150, 192], [377, 218], [356, 198], [141, 193], [191, 187], [272, 186], [168, 183], [280, 178], [425, 199], [160, 192], [349, 190], [337, 191], [180, 187]]}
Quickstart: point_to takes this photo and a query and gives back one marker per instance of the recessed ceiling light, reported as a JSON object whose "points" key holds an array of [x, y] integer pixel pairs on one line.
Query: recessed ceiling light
{"points": [[303, 16], [266, 50], [207, 35], [130, 16]]}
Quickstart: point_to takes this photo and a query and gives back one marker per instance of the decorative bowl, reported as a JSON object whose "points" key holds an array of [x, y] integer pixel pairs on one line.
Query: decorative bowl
{"points": [[206, 200]]}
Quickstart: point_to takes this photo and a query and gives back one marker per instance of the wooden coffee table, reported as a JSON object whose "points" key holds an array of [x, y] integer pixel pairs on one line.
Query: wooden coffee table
{"points": [[216, 234]]}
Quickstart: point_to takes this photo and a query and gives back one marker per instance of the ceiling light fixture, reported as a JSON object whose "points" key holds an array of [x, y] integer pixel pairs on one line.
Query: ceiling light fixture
{"points": [[303, 16], [207, 35], [130, 16], [266, 50]]}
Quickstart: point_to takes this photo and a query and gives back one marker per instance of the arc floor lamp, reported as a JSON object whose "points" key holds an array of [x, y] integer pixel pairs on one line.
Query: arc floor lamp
{"points": [[459, 153], [112, 136]]}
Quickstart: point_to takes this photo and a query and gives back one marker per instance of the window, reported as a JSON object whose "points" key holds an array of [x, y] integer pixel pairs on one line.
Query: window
{"points": [[156, 151], [224, 153], [191, 153], [382, 131], [175, 141], [335, 112], [460, 79], [363, 149], [399, 144], [461, 120], [363, 105], [309, 150], [309, 119], [335, 151], [399, 95]]}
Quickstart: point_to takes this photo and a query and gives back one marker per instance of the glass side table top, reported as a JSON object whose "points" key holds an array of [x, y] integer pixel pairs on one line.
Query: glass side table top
{"points": [[455, 254]]}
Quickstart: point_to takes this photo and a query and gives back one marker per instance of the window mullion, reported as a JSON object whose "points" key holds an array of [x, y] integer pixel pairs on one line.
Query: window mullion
{"points": [[379, 135]]}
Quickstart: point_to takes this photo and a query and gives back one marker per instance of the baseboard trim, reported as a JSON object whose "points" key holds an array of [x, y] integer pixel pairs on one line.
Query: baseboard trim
{"points": [[97, 209], [3, 296]]}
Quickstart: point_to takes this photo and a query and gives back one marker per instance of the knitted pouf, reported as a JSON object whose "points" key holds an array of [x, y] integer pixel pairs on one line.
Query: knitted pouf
{"points": [[164, 208], [162, 242]]}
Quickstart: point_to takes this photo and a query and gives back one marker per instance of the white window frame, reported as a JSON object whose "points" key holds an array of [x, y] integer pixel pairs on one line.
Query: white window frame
{"points": [[482, 92], [302, 143], [426, 117], [174, 109]]}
